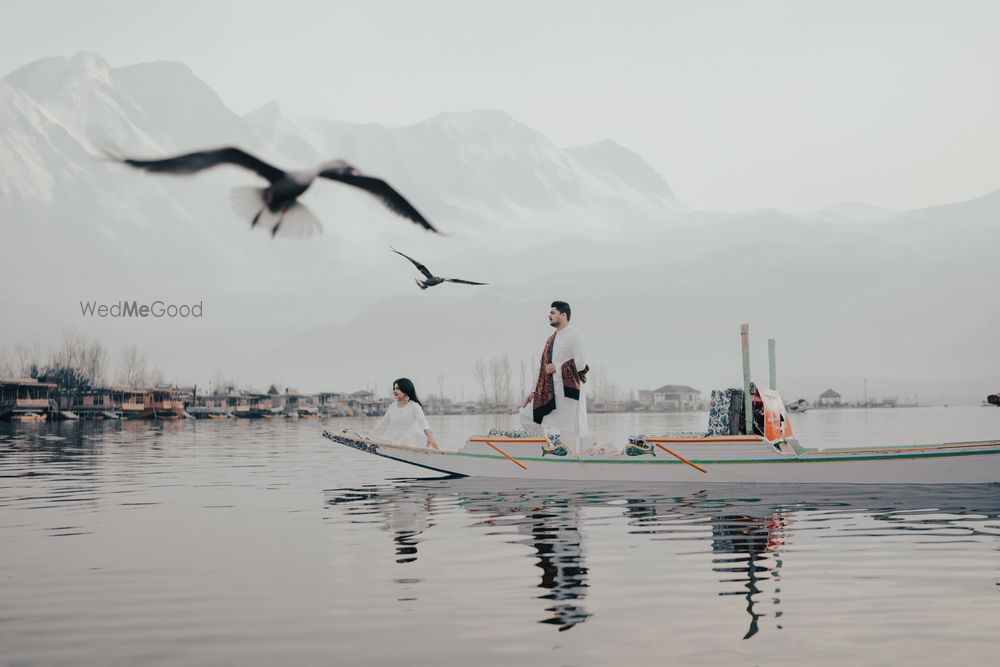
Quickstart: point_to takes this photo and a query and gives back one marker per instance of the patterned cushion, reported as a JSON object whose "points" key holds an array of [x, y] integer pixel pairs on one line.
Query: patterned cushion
{"points": [[520, 433]]}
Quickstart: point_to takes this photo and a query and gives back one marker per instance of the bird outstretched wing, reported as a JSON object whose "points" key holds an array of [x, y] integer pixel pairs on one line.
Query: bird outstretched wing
{"points": [[190, 163], [464, 282], [420, 267], [385, 193]]}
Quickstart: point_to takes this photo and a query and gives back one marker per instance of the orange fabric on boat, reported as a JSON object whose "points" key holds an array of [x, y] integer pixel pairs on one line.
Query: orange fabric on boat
{"points": [[776, 423]]}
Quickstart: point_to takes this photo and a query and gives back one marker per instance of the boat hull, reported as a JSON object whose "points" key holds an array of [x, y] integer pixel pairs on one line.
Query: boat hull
{"points": [[733, 461]]}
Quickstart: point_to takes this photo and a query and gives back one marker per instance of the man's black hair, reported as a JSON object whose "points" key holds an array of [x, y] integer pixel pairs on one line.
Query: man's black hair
{"points": [[563, 308]]}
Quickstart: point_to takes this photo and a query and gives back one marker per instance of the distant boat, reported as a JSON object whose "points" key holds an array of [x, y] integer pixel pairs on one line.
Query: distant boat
{"points": [[799, 405], [29, 417]]}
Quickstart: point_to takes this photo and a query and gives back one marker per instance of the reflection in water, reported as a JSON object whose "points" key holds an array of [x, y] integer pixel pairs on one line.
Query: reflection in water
{"points": [[146, 520], [555, 535], [746, 533], [741, 542], [550, 525], [748, 539]]}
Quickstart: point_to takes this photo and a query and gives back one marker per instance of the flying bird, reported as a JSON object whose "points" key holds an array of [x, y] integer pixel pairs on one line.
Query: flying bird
{"points": [[276, 207], [431, 280]]}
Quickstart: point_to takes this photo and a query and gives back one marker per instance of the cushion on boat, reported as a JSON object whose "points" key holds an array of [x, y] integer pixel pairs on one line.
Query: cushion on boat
{"points": [[521, 433], [557, 450], [637, 446]]}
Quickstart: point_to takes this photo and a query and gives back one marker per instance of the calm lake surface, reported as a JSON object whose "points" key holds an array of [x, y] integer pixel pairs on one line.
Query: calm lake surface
{"points": [[261, 543]]}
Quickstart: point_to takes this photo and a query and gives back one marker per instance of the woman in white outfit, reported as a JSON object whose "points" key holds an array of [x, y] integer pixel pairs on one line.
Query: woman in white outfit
{"points": [[404, 422]]}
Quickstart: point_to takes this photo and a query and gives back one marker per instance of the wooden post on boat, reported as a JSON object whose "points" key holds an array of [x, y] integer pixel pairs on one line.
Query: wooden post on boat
{"points": [[747, 399], [772, 372]]}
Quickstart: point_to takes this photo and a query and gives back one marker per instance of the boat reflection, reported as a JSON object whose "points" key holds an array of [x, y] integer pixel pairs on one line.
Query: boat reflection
{"points": [[746, 530]]}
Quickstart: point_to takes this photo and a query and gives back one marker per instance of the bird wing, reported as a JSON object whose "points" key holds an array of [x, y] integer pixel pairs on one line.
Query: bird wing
{"points": [[420, 267], [382, 190], [464, 282], [194, 162]]}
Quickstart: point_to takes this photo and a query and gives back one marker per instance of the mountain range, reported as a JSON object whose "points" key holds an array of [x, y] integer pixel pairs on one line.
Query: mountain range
{"points": [[658, 289]]}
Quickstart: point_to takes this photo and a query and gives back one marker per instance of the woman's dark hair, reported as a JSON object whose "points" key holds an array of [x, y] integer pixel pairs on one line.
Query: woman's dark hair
{"points": [[405, 385], [563, 308]]}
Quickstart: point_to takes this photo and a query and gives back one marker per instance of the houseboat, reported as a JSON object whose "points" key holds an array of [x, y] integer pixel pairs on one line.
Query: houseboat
{"points": [[24, 396]]}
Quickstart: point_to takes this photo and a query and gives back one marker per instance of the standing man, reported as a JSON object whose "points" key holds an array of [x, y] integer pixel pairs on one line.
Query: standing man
{"points": [[559, 401]]}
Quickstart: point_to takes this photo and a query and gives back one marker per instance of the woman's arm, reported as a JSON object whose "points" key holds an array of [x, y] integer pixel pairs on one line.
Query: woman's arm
{"points": [[431, 441], [425, 427]]}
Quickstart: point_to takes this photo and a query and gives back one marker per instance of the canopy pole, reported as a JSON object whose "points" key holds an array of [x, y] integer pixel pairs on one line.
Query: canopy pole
{"points": [[747, 400], [772, 373]]}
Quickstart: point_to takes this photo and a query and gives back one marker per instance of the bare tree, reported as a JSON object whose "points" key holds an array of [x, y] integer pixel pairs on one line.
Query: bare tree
{"points": [[500, 380], [132, 367], [601, 388], [28, 359], [95, 363], [6, 365], [65, 364], [480, 372], [69, 355]]}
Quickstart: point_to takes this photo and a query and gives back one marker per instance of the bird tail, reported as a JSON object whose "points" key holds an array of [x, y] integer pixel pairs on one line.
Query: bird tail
{"points": [[299, 222], [296, 222], [248, 202]]}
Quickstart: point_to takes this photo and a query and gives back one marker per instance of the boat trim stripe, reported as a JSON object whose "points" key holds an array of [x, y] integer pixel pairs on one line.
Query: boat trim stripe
{"points": [[839, 459]]}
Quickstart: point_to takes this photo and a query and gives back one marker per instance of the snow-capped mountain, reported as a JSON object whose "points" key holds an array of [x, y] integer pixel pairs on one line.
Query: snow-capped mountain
{"points": [[91, 226]]}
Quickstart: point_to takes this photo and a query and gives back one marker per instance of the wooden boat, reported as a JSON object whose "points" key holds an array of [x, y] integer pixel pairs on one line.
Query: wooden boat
{"points": [[771, 455], [798, 406], [726, 453], [719, 459], [28, 417]]}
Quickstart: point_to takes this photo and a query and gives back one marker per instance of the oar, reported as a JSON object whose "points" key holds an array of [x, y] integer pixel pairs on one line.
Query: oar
{"points": [[509, 457], [681, 458]]}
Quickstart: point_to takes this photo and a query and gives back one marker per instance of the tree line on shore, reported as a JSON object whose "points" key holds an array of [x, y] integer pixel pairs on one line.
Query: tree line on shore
{"points": [[78, 364]]}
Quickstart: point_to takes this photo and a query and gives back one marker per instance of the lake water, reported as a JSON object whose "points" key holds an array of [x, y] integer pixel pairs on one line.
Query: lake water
{"points": [[260, 543]]}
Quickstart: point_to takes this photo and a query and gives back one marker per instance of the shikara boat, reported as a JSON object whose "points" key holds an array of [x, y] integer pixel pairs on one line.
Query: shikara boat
{"points": [[730, 451], [771, 455]]}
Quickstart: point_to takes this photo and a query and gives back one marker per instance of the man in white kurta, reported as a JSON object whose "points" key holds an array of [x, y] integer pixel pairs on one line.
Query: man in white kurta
{"points": [[567, 363]]}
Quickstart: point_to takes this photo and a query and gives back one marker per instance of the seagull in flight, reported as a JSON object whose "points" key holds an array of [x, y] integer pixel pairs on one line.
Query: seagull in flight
{"points": [[276, 208], [431, 280]]}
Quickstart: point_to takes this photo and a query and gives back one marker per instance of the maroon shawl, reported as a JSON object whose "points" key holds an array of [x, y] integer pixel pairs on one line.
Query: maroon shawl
{"points": [[544, 398]]}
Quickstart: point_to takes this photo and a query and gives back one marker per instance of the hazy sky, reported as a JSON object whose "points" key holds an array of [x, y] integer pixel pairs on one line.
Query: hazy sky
{"points": [[795, 105]]}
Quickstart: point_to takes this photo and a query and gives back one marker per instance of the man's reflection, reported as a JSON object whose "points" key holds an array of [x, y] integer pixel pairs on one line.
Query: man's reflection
{"points": [[555, 535]]}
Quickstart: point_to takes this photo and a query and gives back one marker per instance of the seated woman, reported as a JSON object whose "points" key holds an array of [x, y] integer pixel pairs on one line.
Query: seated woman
{"points": [[404, 422]]}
